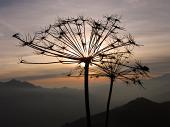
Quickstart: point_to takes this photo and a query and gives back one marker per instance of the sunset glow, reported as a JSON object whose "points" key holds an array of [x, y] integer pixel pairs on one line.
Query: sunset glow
{"points": [[146, 20]]}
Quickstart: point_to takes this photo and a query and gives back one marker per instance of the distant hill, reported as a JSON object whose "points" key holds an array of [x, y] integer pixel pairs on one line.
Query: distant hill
{"points": [[140, 112], [157, 89], [13, 83], [23, 104]]}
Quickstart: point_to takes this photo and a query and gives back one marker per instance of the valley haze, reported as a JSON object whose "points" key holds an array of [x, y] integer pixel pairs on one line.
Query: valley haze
{"points": [[27, 105]]}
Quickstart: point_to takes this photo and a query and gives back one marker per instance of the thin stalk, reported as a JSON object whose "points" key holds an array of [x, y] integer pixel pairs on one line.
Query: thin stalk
{"points": [[86, 92], [108, 102]]}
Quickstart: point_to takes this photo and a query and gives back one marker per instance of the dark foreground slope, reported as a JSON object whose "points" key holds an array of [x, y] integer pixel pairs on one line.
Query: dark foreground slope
{"points": [[23, 104], [137, 113]]}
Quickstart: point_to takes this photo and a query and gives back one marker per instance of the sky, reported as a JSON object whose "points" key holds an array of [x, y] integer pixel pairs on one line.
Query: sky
{"points": [[146, 20]]}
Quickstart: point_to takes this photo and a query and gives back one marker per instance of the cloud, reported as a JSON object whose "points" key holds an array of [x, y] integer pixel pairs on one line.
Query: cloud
{"points": [[160, 67], [147, 20]]}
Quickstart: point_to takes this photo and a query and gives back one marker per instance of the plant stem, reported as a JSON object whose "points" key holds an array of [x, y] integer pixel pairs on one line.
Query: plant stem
{"points": [[86, 92], [108, 102]]}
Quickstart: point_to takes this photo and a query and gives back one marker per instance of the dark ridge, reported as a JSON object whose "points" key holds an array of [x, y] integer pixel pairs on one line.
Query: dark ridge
{"points": [[141, 101], [23, 106], [13, 83], [140, 112]]}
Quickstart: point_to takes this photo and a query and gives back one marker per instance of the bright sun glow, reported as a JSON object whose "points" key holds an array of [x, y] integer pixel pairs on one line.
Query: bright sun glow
{"points": [[82, 64]]}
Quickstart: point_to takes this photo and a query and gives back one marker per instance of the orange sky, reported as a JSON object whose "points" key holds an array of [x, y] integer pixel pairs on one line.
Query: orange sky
{"points": [[147, 20], [69, 82]]}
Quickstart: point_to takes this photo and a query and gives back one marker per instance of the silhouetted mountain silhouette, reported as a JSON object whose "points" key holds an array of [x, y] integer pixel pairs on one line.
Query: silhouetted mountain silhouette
{"points": [[137, 113], [23, 104], [140, 102], [13, 83], [157, 89]]}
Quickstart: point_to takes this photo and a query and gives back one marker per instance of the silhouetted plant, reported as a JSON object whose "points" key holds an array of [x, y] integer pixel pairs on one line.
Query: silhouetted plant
{"points": [[78, 40], [119, 67]]}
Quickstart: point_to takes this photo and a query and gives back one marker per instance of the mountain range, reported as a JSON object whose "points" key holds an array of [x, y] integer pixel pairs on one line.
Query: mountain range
{"points": [[13, 83], [27, 105], [140, 112], [23, 104]]}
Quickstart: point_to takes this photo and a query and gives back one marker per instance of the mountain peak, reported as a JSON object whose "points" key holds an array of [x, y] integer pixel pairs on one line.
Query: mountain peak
{"points": [[14, 83], [140, 102], [140, 112], [142, 99]]}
